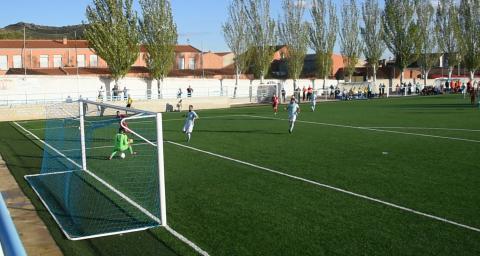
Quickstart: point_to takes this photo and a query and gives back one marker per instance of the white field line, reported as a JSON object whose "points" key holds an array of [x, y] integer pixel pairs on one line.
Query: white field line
{"points": [[185, 240], [425, 128], [370, 129], [329, 187], [172, 231]]}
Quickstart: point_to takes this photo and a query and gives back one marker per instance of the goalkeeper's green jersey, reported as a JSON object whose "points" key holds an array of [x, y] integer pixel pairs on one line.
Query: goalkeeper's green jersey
{"points": [[121, 142]]}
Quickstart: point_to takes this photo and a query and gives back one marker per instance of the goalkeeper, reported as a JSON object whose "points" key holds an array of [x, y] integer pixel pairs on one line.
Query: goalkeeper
{"points": [[122, 143]]}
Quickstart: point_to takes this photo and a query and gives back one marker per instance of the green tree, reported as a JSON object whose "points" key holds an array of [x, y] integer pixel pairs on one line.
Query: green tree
{"points": [[235, 34], [428, 38], [372, 34], [159, 35], [112, 34], [323, 35], [350, 42], [401, 32], [292, 32], [448, 27], [469, 23], [261, 30]]}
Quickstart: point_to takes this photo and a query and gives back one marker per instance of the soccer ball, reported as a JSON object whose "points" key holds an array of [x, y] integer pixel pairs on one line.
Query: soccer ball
{"points": [[122, 155]]}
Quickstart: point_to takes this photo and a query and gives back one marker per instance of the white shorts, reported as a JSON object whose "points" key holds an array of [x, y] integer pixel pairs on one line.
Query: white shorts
{"points": [[188, 127], [292, 118]]}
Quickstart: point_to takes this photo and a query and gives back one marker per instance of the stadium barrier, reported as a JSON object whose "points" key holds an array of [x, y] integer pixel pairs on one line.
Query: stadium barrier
{"points": [[9, 239]]}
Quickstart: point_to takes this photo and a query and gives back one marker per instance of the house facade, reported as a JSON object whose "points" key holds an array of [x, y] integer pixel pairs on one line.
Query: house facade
{"points": [[59, 54]]}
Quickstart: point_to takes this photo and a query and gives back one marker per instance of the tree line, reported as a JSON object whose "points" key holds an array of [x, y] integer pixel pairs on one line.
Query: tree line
{"points": [[412, 30], [116, 32]]}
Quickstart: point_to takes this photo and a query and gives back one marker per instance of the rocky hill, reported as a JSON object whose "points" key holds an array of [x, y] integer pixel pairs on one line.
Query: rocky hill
{"points": [[33, 31]]}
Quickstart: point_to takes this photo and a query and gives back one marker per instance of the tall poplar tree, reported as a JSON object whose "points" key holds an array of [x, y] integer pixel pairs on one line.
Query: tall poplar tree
{"points": [[372, 34], [159, 36], [469, 23], [235, 34], [112, 34], [292, 32], [448, 27], [428, 38], [401, 32], [351, 44], [323, 35], [261, 30]]}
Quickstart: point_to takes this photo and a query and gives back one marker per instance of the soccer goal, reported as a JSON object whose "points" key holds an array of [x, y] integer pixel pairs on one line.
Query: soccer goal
{"points": [[87, 193]]}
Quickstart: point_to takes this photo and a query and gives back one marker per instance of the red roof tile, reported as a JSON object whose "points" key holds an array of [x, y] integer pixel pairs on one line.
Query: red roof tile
{"points": [[55, 44]]}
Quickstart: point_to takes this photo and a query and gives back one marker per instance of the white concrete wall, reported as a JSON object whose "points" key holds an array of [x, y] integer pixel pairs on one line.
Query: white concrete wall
{"points": [[44, 89]]}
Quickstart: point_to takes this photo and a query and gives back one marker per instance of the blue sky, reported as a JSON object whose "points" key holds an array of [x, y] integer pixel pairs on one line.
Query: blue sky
{"points": [[198, 21]]}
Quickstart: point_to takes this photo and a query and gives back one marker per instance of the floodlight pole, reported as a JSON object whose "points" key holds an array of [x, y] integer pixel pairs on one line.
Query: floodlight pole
{"points": [[161, 171], [82, 135]]}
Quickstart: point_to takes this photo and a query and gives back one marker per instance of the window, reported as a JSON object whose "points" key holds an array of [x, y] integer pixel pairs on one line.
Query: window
{"points": [[191, 63], [44, 61], [81, 61], [3, 62], [93, 61], [17, 61], [181, 63], [57, 61]]}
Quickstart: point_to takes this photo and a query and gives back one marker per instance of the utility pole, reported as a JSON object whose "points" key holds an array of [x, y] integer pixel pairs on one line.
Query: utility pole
{"points": [[23, 53]]}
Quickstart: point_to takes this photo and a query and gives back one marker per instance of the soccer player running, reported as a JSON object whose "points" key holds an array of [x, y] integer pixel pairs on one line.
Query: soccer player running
{"points": [[313, 99], [275, 102], [189, 122], [122, 143], [293, 109]]}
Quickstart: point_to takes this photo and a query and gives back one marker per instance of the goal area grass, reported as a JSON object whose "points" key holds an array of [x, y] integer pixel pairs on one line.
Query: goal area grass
{"points": [[372, 177]]}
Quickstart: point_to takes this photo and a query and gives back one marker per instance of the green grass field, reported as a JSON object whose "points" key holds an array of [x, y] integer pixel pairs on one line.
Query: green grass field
{"points": [[244, 186]]}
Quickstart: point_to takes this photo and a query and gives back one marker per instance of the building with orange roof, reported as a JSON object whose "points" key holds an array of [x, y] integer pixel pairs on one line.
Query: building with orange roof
{"points": [[63, 54]]}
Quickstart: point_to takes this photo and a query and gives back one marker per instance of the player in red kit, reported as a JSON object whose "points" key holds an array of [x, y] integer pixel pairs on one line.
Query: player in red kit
{"points": [[275, 102]]}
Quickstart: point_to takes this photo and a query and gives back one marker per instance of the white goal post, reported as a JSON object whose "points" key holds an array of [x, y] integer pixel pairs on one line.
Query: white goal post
{"points": [[88, 195]]}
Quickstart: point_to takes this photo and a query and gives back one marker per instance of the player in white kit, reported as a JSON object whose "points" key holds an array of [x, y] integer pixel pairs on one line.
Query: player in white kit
{"points": [[293, 109], [189, 122], [313, 99]]}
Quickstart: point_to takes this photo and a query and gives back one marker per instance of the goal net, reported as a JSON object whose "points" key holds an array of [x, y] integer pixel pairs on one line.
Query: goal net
{"points": [[89, 195]]}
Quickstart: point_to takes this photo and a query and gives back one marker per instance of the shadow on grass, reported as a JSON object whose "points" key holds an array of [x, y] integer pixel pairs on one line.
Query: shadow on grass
{"points": [[435, 106], [239, 131]]}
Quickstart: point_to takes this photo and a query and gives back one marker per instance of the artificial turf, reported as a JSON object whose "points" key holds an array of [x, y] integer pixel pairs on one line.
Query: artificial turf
{"points": [[383, 149]]}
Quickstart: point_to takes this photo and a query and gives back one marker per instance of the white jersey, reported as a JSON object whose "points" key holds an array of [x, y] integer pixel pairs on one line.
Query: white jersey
{"points": [[292, 109], [191, 116], [190, 121], [314, 98]]}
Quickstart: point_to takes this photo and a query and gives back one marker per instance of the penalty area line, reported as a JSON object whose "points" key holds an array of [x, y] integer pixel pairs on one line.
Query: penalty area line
{"points": [[330, 187]]}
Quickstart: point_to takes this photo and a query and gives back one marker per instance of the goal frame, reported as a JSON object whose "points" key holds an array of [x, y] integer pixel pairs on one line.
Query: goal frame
{"points": [[162, 219]]}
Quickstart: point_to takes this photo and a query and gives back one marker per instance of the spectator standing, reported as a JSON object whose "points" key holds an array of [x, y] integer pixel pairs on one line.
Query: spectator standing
{"points": [[283, 95], [179, 93], [100, 93], [304, 93], [125, 93], [189, 91]]}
